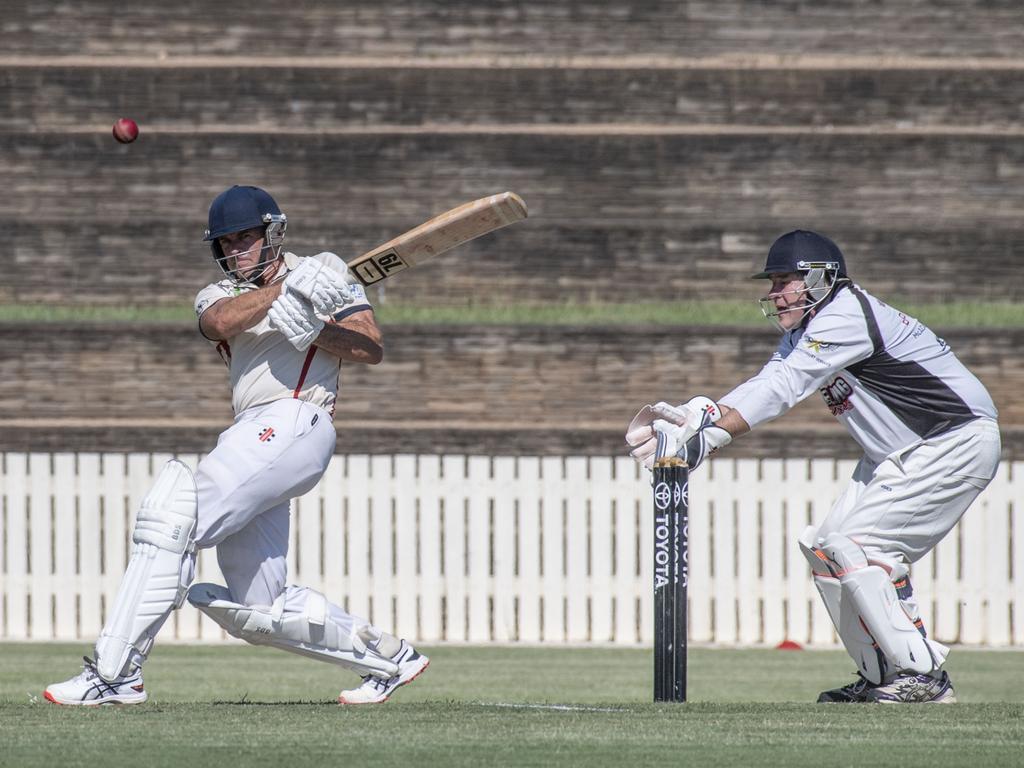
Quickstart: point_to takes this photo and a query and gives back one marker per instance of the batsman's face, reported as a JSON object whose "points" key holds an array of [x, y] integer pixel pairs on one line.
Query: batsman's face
{"points": [[243, 249], [789, 295]]}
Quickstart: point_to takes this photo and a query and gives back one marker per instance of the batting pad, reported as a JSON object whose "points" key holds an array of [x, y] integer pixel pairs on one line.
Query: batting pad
{"points": [[300, 621], [159, 571]]}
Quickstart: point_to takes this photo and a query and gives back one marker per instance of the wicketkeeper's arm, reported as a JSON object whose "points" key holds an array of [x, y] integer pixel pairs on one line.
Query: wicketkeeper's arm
{"points": [[732, 421]]}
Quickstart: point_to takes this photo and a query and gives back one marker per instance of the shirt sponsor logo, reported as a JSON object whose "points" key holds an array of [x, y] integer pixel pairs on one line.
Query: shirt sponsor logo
{"points": [[267, 435], [837, 395], [817, 345]]}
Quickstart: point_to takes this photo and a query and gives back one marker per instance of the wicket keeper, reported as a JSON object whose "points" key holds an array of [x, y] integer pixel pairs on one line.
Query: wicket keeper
{"points": [[931, 444]]}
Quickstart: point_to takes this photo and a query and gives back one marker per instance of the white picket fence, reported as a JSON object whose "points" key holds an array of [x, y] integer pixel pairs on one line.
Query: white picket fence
{"points": [[480, 549]]}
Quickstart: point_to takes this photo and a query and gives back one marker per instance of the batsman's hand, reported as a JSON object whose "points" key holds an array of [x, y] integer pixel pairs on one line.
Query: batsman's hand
{"points": [[294, 316], [642, 433], [325, 288]]}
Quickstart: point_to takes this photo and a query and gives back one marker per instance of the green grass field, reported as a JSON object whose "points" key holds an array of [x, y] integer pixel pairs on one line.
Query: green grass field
{"points": [[484, 706], [705, 313]]}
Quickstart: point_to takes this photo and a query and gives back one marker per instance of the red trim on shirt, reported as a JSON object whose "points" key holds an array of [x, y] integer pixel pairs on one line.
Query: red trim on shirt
{"points": [[305, 370], [224, 350]]}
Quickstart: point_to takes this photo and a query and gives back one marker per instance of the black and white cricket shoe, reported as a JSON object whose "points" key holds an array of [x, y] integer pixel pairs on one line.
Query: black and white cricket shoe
{"points": [[852, 693], [914, 689], [89, 689], [374, 690]]}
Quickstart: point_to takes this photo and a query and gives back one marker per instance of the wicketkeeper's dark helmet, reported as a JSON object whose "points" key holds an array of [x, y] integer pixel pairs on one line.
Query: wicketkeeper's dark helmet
{"points": [[813, 255], [240, 208]]}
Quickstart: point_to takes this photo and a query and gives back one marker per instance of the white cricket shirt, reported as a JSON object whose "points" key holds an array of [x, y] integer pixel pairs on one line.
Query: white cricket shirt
{"points": [[889, 380], [263, 365]]}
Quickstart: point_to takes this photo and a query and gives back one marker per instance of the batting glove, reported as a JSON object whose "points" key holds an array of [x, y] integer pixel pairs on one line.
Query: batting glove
{"points": [[325, 288], [296, 319]]}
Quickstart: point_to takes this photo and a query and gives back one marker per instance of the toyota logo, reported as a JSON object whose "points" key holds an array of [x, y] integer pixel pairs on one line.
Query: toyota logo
{"points": [[662, 496], [681, 493]]}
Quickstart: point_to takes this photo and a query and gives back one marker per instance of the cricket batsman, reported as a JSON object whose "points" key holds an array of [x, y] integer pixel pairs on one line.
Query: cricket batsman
{"points": [[931, 444], [283, 326]]}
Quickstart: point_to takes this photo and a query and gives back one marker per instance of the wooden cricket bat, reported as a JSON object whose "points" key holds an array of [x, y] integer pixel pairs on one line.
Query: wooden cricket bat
{"points": [[439, 234]]}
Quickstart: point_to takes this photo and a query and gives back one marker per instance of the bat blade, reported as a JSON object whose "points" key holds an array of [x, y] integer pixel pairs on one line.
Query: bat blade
{"points": [[441, 233]]}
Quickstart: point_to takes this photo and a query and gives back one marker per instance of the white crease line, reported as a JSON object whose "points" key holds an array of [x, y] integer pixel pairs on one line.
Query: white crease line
{"points": [[555, 707]]}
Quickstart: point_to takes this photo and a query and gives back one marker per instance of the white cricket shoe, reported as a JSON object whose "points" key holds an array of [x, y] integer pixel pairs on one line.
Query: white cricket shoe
{"points": [[89, 689], [914, 689], [374, 690]]}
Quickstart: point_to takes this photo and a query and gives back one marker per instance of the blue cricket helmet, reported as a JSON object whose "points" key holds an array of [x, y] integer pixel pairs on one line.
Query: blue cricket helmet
{"points": [[803, 251], [816, 258], [240, 208]]}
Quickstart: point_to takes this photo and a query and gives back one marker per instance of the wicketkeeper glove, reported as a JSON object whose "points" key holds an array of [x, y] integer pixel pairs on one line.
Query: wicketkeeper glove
{"points": [[641, 434], [294, 316], [695, 448], [325, 288]]}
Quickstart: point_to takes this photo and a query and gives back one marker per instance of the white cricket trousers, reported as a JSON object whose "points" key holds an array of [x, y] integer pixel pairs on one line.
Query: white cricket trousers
{"points": [[901, 507], [269, 456]]}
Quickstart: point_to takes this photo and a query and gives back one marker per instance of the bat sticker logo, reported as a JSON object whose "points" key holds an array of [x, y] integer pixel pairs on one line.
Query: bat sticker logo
{"points": [[380, 266]]}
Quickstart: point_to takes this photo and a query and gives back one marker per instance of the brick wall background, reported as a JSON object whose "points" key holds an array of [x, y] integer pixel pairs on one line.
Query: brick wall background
{"points": [[661, 146], [962, 28], [504, 390]]}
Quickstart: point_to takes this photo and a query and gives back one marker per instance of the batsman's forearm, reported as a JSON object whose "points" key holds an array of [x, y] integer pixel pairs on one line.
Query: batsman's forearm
{"points": [[359, 343], [229, 317]]}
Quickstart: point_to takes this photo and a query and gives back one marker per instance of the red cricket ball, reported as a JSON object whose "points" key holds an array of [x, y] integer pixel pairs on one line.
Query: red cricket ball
{"points": [[125, 130]]}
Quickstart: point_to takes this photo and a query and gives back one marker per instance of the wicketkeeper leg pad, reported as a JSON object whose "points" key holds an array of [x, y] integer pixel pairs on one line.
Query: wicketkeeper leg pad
{"points": [[869, 590], [300, 621], [855, 638], [160, 568]]}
